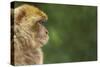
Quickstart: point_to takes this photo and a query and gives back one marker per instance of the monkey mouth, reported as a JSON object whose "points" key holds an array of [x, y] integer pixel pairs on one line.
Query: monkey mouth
{"points": [[42, 41]]}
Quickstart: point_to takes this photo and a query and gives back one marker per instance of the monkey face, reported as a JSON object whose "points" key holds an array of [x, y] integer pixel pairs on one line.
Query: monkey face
{"points": [[41, 34]]}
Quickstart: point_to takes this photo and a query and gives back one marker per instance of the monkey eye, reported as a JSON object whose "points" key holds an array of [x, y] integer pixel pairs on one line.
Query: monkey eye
{"points": [[41, 21]]}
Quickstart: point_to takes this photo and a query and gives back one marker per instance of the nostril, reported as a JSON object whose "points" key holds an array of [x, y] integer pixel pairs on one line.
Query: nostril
{"points": [[46, 32]]}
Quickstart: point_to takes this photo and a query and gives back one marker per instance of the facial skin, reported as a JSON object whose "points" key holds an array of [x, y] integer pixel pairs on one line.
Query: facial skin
{"points": [[29, 35]]}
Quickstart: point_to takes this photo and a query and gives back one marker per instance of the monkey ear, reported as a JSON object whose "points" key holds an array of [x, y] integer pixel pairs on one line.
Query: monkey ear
{"points": [[18, 15]]}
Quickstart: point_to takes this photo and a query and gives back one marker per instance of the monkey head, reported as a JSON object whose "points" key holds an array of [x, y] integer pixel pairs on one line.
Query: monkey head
{"points": [[31, 20]]}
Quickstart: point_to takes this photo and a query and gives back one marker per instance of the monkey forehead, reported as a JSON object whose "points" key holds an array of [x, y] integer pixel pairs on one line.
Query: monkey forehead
{"points": [[33, 11]]}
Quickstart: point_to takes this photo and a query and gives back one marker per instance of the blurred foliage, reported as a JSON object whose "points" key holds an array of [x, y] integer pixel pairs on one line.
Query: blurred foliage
{"points": [[72, 32]]}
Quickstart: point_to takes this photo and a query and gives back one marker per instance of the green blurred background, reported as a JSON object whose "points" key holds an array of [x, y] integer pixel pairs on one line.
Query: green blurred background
{"points": [[72, 31]]}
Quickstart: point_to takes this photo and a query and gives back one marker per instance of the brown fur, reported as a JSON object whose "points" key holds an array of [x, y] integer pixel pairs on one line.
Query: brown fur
{"points": [[29, 35]]}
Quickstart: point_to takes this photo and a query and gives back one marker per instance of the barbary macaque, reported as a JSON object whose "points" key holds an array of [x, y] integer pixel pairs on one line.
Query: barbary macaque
{"points": [[28, 35]]}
